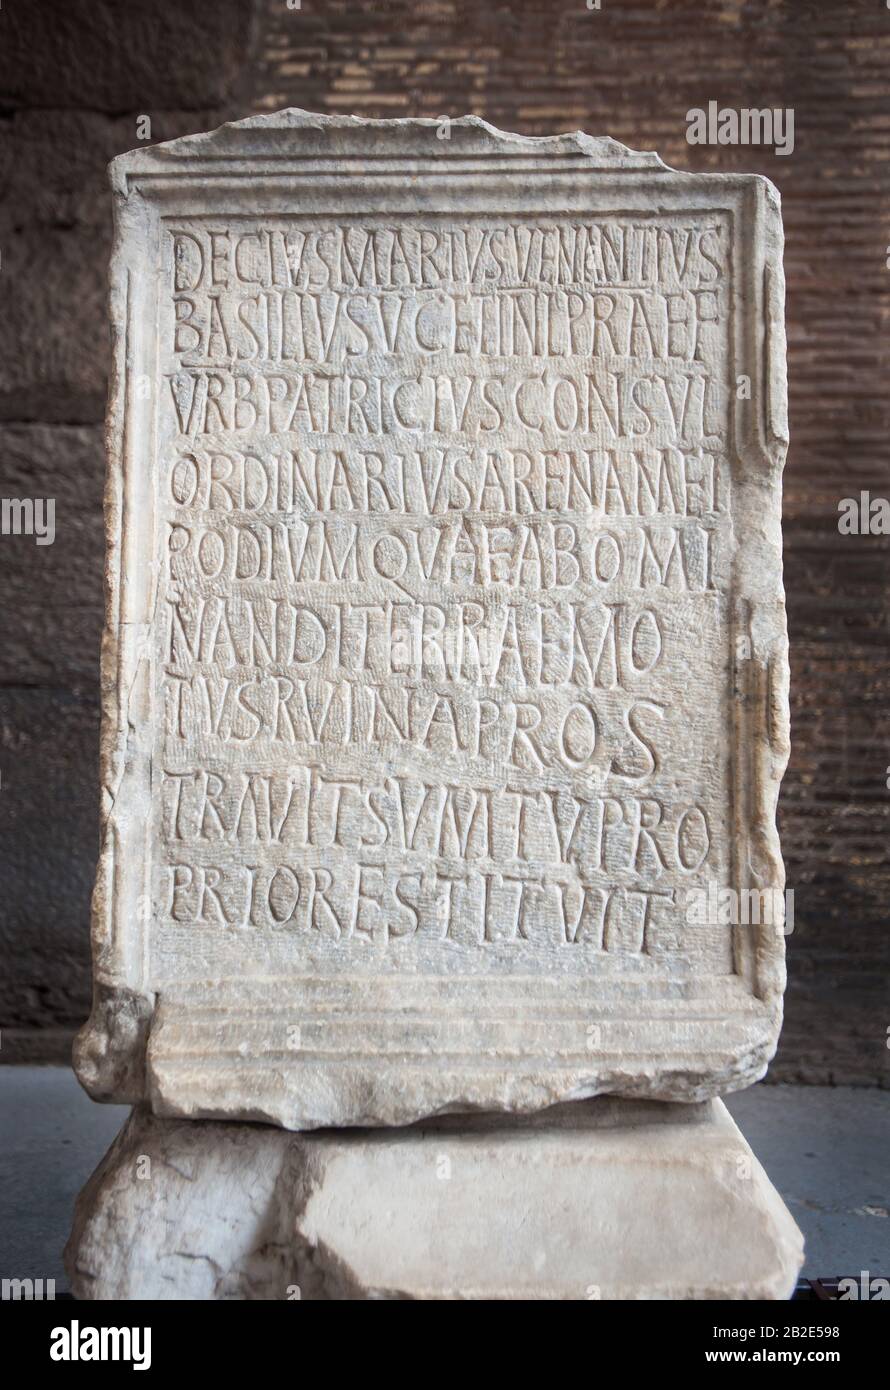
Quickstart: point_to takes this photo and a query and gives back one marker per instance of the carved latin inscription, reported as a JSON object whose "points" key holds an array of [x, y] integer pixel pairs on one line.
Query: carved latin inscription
{"points": [[443, 512]]}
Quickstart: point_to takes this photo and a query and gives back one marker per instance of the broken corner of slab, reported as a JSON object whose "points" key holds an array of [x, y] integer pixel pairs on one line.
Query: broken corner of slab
{"points": [[602, 1199]]}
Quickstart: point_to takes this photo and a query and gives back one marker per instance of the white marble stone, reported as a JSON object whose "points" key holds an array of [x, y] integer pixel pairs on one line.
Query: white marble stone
{"points": [[597, 1200], [445, 659]]}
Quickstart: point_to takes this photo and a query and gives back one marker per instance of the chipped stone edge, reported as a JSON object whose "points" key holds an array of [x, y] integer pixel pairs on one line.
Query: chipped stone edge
{"points": [[761, 686], [109, 1051], [476, 135], [365, 1098]]}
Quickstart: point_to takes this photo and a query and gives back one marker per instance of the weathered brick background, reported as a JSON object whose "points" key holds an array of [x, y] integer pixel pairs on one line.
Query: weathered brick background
{"points": [[75, 75], [73, 79]]}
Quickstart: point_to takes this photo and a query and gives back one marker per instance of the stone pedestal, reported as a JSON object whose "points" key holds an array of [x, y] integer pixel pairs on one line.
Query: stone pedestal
{"points": [[600, 1199]]}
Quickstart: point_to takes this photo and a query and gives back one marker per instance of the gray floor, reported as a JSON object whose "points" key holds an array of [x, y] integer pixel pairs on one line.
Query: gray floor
{"points": [[53, 1137], [826, 1149]]}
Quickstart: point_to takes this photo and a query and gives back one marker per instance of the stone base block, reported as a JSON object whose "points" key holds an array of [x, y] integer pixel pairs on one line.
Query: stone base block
{"points": [[598, 1199]]}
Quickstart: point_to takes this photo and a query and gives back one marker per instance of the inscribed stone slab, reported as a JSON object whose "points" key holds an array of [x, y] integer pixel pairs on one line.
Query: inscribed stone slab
{"points": [[445, 660]]}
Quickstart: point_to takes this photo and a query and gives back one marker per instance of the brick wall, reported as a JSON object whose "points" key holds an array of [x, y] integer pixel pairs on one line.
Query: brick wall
{"points": [[69, 96], [75, 75]]}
